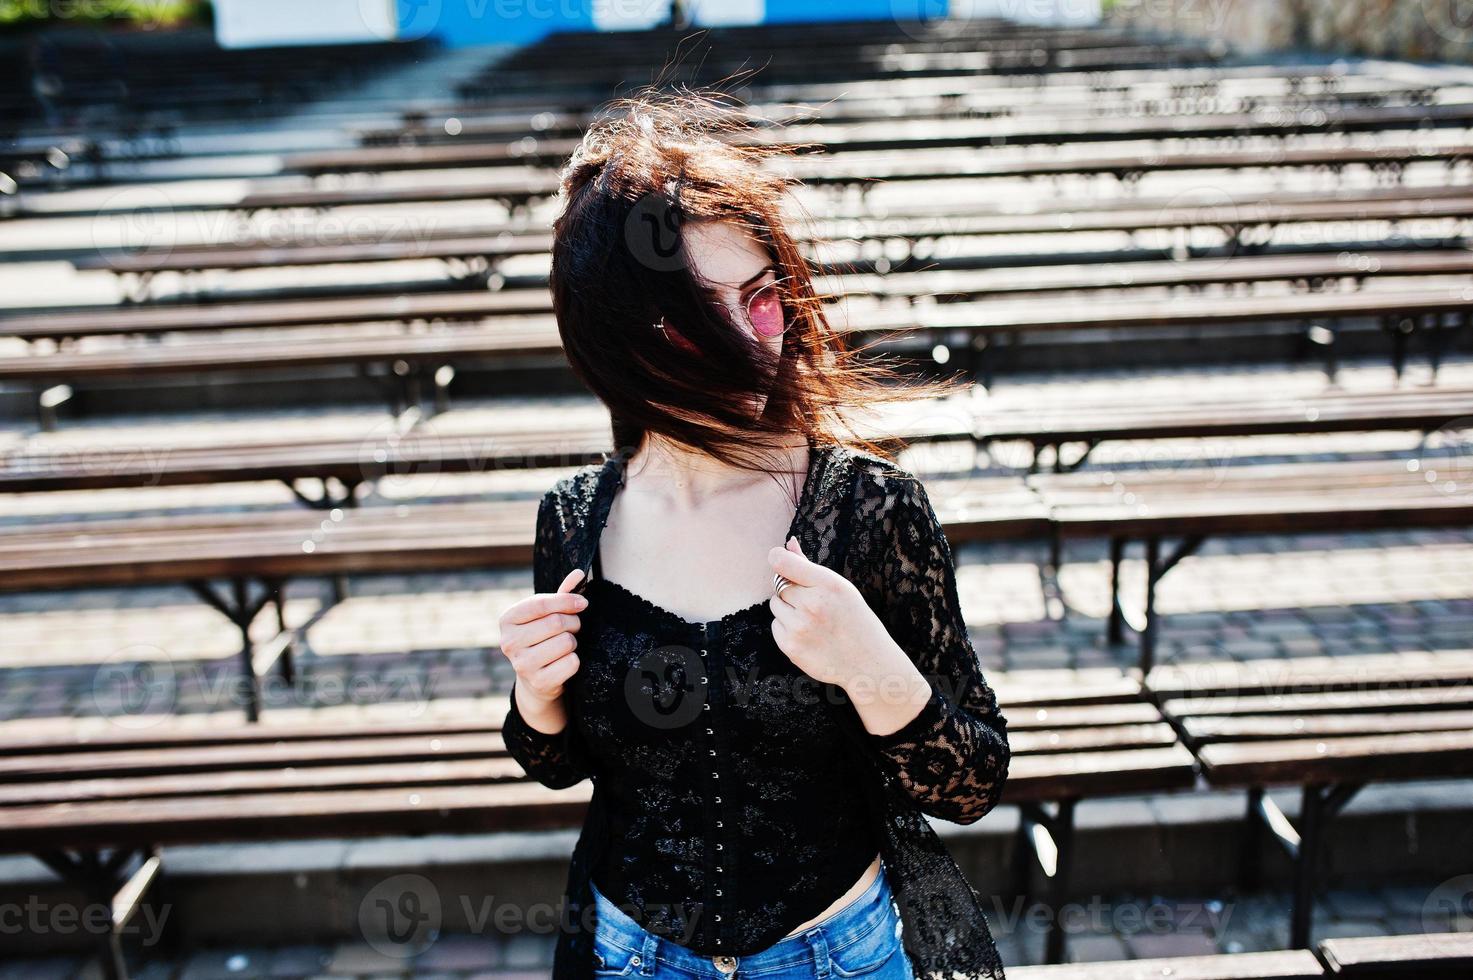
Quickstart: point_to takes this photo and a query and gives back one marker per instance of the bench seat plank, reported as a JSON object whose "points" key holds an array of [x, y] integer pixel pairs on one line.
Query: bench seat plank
{"points": [[1052, 776], [523, 805], [215, 758], [1417, 755], [1256, 727], [1291, 964], [1447, 956], [365, 775]]}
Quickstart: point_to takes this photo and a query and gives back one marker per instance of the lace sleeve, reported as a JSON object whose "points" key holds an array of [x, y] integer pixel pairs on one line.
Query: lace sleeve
{"points": [[561, 760], [952, 758]]}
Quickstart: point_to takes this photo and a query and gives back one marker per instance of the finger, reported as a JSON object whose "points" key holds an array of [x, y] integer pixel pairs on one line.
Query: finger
{"points": [[797, 569], [543, 603], [557, 672], [786, 603], [546, 627], [536, 656]]}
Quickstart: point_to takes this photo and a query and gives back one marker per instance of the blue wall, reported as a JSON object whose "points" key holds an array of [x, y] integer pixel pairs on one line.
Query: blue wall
{"points": [[464, 22]]}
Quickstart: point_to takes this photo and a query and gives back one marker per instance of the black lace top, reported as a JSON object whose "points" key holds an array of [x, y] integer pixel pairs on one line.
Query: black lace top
{"points": [[734, 814], [655, 790]]}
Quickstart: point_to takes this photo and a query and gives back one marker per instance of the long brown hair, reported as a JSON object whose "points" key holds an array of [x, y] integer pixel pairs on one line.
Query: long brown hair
{"points": [[649, 165]]}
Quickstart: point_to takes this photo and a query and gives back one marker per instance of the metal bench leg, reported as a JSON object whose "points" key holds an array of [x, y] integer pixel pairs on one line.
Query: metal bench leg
{"points": [[241, 610], [1401, 327], [1116, 625], [1148, 633], [443, 375], [1036, 450], [1156, 569], [1311, 837], [48, 401], [1320, 802], [278, 600], [1063, 831], [1050, 837], [1436, 336], [1022, 864], [101, 879], [1250, 866]]}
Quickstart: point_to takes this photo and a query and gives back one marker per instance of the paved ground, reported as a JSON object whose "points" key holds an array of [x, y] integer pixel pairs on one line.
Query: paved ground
{"points": [[416, 637], [428, 637], [1122, 927]]}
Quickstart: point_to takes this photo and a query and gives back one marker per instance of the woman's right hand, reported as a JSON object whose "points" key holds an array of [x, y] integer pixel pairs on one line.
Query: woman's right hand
{"points": [[537, 636]]}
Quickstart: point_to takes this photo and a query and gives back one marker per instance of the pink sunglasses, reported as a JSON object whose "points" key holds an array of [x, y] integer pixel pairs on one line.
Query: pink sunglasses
{"points": [[764, 313]]}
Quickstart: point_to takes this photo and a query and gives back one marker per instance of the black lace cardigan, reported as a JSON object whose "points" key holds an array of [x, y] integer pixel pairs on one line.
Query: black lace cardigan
{"points": [[873, 522]]}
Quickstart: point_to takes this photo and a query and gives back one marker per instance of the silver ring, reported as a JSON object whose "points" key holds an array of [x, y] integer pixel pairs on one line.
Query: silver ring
{"points": [[779, 583]]}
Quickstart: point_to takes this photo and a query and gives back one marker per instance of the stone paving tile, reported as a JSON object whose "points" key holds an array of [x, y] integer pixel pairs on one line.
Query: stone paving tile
{"points": [[1132, 927], [461, 953], [1144, 946], [353, 959], [414, 639], [291, 962]]}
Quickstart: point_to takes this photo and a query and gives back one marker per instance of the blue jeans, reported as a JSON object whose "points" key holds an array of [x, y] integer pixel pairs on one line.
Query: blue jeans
{"points": [[862, 939]]}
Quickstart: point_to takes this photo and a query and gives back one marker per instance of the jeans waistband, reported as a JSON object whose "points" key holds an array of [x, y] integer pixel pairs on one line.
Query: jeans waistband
{"points": [[853, 921]]}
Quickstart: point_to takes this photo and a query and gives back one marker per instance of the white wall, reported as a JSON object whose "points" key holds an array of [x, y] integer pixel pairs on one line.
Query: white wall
{"points": [[1030, 11], [250, 23]]}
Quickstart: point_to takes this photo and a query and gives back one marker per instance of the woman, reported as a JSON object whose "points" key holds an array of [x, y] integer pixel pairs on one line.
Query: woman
{"points": [[767, 715]]}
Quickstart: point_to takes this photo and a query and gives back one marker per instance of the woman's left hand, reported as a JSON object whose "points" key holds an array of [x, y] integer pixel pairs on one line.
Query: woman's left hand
{"points": [[823, 624]]}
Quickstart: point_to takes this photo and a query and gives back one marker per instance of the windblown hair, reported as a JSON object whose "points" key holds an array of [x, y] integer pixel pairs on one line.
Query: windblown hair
{"points": [[649, 166]]}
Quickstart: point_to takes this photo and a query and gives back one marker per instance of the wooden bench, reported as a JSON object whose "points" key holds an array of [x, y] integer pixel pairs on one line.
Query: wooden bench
{"points": [[520, 192], [1329, 725], [342, 464], [1033, 117], [1235, 221], [1130, 93], [411, 360], [1192, 502], [1439, 311], [1434, 956], [1090, 423], [1293, 964], [96, 803], [1075, 736], [890, 135], [969, 326], [922, 166], [711, 69], [254, 554], [96, 810], [494, 245]]}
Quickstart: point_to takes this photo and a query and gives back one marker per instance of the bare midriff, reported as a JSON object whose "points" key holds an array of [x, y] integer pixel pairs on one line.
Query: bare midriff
{"points": [[855, 890]]}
